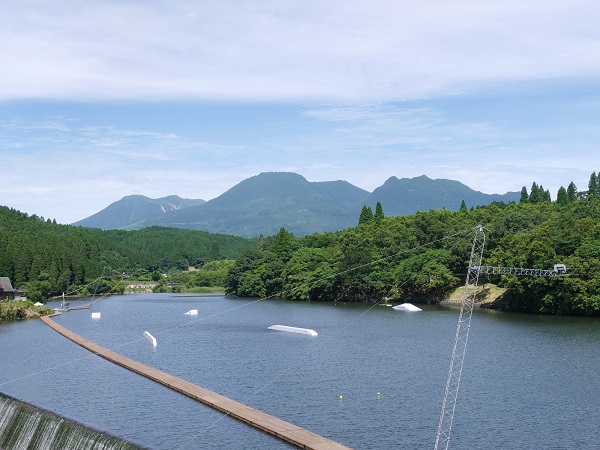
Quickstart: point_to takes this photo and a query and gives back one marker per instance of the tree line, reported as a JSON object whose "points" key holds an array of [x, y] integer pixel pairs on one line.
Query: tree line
{"points": [[47, 258], [417, 258], [424, 257]]}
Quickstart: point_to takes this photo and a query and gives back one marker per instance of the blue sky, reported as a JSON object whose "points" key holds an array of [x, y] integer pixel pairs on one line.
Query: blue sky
{"points": [[99, 100]]}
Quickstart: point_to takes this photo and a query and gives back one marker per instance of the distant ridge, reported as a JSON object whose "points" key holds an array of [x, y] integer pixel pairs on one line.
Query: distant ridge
{"points": [[409, 195], [133, 208], [264, 203]]}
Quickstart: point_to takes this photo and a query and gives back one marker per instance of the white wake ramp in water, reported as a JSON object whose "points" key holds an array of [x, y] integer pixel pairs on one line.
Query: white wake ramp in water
{"points": [[150, 338], [294, 330], [407, 307]]}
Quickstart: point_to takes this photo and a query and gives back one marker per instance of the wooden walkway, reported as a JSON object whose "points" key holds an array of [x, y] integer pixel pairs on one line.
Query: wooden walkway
{"points": [[283, 430]]}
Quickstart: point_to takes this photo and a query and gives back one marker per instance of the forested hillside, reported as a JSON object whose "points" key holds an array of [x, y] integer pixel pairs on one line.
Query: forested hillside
{"points": [[48, 258], [264, 203], [417, 258], [423, 257]]}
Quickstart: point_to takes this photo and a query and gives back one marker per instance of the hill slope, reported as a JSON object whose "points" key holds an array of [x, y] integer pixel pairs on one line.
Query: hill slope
{"points": [[133, 208], [409, 195], [266, 202]]}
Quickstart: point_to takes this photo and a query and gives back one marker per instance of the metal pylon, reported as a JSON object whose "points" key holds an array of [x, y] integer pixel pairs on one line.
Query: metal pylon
{"points": [[460, 342]]}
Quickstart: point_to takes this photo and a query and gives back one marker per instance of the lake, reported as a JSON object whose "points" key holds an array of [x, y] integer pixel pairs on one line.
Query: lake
{"points": [[528, 381]]}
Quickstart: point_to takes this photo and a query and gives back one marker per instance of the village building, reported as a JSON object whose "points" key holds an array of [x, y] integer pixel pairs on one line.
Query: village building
{"points": [[7, 293]]}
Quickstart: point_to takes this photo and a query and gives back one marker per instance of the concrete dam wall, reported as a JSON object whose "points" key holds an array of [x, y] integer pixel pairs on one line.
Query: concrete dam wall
{"points": [[24, 426]]}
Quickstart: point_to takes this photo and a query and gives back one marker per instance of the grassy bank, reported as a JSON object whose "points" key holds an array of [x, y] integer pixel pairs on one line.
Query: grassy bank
{"points": [[22, 310]]}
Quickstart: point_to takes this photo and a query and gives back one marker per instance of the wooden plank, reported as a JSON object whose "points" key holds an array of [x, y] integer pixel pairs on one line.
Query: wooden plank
{"points": [[279, 428]]}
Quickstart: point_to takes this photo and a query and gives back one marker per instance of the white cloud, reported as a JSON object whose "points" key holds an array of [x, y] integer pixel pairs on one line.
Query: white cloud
{"points": [[340, 50], [375, 141], [364, 58]]}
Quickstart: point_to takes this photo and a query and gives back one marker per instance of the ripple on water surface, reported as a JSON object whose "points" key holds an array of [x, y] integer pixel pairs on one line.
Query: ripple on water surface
{"points": [[528, 381]]}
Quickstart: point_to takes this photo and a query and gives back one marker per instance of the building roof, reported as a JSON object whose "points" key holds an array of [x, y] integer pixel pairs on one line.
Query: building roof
{"points": [[5, 285]]}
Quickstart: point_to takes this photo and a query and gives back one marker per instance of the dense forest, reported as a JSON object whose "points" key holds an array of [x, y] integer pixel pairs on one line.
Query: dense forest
{"points": [[417, 258], [423, 257], [47, 258]]}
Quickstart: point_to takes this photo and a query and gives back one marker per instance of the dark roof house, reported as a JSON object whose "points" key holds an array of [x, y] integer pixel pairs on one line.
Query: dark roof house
{"points": [[6, 290]]}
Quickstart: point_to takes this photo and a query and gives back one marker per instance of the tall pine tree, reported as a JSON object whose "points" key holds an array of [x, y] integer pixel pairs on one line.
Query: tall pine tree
{"points": [[562, 198], [366, 215], [524, 195], [593, 188], [535, 196], [572, 192], [544, 195], [378, 212]]}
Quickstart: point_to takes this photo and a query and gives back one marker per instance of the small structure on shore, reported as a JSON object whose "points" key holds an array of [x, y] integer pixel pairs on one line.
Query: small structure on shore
{"points": [[7, 293]]}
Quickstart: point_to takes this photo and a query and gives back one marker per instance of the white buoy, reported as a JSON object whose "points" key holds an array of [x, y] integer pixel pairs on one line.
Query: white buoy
{"points": [[294, 330], [96, 315], [150, 338], [407, 307], [192, 312]]}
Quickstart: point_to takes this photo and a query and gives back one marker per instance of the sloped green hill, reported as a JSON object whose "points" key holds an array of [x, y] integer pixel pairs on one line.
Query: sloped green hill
{"points": [[269, 201], [134, 208], [409, 195], [265, 203], [47, 257]]}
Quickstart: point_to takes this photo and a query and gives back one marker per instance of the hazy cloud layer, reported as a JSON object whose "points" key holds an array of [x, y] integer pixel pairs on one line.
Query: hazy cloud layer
{"points": [[273, 50]]}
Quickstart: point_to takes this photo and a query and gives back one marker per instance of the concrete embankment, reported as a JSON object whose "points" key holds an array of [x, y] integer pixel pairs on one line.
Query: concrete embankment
{"points": [[24, 426]]}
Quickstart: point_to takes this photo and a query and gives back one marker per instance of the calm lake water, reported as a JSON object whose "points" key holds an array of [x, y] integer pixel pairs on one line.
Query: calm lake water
{"points": [[529, 382]]}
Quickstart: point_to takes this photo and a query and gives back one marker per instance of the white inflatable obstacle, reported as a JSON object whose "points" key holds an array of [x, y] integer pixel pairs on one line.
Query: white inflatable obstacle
{"points": [[294, 330], [407, 307], [192, 312], [150, 338]]}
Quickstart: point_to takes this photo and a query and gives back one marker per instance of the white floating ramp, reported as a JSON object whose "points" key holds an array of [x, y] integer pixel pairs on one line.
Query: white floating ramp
{"points": [[192, 312], [150, 338], [294, 330], [407, 307]]}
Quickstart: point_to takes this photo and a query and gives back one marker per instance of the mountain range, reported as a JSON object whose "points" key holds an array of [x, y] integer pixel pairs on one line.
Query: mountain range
{"points": [[264, 203]]}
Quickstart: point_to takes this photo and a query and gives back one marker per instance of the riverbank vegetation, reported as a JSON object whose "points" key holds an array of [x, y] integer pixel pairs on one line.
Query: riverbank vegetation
{"points": [[17, 310], [424, 257], [210, 278], [48, 259], [418, 258]]}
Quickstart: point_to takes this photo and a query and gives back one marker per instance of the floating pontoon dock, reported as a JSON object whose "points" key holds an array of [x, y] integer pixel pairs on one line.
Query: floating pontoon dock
{"points": [[283, 430]]}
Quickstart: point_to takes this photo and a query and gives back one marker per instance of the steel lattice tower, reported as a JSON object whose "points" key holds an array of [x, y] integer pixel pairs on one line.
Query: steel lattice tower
{"points": [[464, 324], [460, 342]]}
